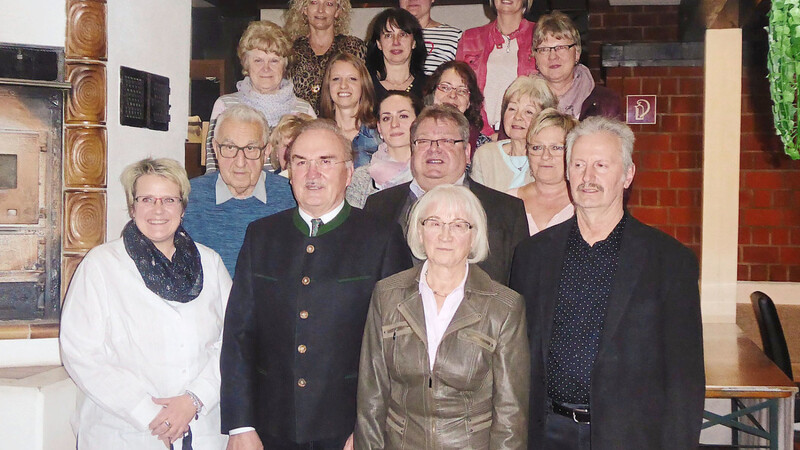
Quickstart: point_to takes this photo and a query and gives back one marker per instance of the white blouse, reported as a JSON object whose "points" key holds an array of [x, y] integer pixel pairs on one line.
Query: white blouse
{"points": [[122, 345], [436, 322]]}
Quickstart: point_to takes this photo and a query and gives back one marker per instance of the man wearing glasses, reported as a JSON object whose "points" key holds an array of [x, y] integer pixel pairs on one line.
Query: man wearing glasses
{"points": [[296, 313], [222, 203], [439, 155]]}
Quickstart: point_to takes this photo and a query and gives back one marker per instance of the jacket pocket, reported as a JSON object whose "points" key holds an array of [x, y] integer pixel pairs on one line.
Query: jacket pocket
{"points": [[472, 58], [396, 329], [477, 338], [480, 422], [264, 277], [351, 279], [395, 422]]}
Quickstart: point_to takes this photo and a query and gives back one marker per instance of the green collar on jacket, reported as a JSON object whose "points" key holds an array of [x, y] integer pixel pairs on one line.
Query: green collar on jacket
{"points": [[325, 227]]}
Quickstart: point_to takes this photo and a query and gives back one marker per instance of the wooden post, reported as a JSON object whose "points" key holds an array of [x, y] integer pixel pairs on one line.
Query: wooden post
{"points": [[721, 148]]}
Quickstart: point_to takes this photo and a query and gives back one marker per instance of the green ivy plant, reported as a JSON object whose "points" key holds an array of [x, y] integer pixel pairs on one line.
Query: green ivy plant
{"points": [[783, 62]]}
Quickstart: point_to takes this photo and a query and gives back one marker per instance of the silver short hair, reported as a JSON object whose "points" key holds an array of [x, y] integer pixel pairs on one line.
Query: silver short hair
{"points": [[598, 124], [450, 198], [245, 114]]}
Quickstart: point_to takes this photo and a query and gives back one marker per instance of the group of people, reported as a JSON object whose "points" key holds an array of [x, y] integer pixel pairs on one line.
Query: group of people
{"points": [[392, 275]]}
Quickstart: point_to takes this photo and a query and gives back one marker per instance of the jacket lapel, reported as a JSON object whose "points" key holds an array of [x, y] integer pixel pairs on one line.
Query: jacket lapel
{"points": [[468, 312], [632, 254], [550, 276], [411, 308]]}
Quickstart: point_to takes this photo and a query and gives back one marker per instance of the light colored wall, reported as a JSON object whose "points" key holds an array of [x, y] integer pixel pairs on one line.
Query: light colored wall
{"points": [[460, 16], [35, 411], [150, 35], [33, 22], [154, 36]]}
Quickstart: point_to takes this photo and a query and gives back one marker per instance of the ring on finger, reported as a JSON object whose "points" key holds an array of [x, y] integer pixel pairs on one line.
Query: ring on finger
{"points": [[166, 422]]}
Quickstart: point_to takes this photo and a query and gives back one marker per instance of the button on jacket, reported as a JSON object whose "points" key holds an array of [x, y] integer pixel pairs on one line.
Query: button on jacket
{"points": [[295, 320], [476, 397]]}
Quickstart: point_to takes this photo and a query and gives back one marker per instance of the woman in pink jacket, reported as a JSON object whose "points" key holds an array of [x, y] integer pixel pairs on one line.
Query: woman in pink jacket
{"points": [[493, 50]]}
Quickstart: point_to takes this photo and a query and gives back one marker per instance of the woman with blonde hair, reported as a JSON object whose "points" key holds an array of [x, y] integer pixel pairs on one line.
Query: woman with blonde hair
{"points": [[348, 98], [265, 53], [503, 165], [279, 139], [546, 199], [320, 29], [141, 329]]}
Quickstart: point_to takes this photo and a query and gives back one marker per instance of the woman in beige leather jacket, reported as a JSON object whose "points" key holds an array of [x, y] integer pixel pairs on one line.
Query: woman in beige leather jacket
{"points": [[444, 361]]}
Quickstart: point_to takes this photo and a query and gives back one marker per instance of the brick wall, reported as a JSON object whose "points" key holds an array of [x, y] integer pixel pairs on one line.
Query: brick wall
{"points": [[666, 192], [769, 197], [621, 24]]}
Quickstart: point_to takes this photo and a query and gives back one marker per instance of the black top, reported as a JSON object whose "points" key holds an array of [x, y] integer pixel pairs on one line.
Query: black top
{"points": [[648, 373], [580, 313], [415, 88]]}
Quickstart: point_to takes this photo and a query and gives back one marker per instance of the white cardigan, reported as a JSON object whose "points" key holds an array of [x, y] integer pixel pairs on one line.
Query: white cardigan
{"points": [[122, 344]]}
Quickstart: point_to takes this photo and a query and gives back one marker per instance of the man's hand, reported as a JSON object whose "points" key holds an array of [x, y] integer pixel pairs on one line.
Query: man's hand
{"points": [[348, 445], [248, 440], [172, 422]]}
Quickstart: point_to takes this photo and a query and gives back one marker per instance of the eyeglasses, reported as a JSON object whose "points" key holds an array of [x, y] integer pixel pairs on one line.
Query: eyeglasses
{"points": [[559, 49], [446, 89], [457, 226], [149, 201], [231, 151], [322, 164], [539, 149], [424, 144]]}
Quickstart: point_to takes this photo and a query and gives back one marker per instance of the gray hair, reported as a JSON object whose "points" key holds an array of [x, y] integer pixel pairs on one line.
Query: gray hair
{"points": [[439, 113], [323, 124], [450, 198], [558, 25], [163, 167], [598, 124], [245, 114]]}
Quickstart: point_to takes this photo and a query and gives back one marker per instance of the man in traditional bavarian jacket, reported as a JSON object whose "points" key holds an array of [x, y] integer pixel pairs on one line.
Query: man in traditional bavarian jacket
{"points": [[299, 301]]}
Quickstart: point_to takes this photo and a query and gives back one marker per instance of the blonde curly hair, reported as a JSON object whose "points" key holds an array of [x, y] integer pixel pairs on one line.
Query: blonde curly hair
{"points": [[296, 24]]}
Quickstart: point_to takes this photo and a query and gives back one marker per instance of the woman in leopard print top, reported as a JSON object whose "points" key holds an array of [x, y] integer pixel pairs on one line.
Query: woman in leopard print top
{"points": [[320, 31]]}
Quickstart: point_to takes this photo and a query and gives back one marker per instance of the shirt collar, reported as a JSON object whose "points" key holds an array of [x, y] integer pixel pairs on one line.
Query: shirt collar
{"points": [[223, 194], [327, 217], [419, 192]]}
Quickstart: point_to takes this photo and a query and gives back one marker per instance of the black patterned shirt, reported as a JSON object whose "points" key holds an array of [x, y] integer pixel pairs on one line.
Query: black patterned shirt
{"points": [[580, 313]]}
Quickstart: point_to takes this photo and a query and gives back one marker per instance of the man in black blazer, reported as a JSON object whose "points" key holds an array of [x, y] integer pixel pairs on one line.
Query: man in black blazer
{"points": [[296, 312], [440, 152], [613, 314]]}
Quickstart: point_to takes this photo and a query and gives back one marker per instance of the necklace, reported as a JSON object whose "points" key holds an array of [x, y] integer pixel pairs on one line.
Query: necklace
{"points": [[435, 292], [392, 83]]}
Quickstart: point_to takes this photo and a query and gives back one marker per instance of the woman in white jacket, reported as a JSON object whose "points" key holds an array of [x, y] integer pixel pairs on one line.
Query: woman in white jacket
{"points": [[141, 328]]}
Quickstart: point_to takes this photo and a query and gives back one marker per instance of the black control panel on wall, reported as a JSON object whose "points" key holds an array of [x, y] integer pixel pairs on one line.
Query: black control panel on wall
{"points": [[144, 99]]}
